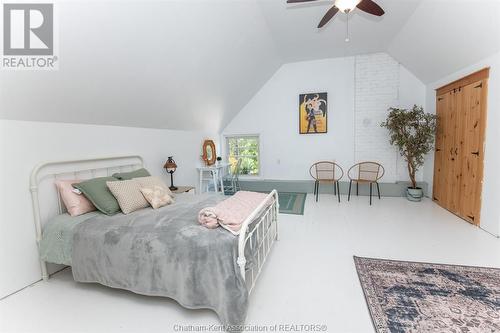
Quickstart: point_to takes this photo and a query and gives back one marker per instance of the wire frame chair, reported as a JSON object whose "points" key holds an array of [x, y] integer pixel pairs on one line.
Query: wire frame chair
{"points": [[365, 173], [326, 172], [233, 178]]}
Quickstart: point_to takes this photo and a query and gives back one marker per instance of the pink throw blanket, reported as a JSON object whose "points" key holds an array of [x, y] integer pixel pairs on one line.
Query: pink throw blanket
{"points": [[232, 212]]}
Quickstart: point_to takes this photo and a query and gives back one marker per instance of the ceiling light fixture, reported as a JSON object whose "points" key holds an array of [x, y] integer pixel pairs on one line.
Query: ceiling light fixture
{"points": [[346, 6]]}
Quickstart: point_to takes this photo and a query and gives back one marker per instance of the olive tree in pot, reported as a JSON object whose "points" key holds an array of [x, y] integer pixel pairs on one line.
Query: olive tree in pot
{"points": [[412, 131]]}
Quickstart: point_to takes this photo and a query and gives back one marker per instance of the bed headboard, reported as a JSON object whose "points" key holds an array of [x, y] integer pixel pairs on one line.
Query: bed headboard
{"points": [[44, 195]]}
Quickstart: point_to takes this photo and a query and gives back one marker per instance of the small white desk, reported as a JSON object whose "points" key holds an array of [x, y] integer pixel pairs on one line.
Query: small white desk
{"points": [[216, 175]]}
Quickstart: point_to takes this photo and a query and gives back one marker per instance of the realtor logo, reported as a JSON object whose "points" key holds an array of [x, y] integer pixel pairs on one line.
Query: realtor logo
{"points": [[28, 29], [28, 36]]}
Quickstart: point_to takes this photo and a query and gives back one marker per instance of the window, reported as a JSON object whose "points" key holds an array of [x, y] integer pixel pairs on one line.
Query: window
{"points": [[246, 148]]}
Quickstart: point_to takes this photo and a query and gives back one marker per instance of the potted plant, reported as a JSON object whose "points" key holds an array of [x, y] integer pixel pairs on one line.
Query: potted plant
{"points": [[412, 131], [219, 160]]}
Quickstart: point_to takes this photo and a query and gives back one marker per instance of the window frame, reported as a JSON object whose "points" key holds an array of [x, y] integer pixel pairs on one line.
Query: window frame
{"points": [[226, 138]]}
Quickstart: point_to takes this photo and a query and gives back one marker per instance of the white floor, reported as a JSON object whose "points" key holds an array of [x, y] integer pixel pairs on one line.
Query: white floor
{"points": [[309, 278]]}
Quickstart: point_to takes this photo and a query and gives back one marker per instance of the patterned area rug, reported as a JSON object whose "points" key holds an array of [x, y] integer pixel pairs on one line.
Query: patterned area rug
{"points": [[419, 297]]}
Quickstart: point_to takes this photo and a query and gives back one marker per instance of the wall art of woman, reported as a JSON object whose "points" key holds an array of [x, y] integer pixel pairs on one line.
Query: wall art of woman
{"points": [[313, 113]]}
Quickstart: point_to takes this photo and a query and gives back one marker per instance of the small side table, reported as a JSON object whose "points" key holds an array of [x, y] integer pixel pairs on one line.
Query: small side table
{"points": [[184, 189], [216, 172]]}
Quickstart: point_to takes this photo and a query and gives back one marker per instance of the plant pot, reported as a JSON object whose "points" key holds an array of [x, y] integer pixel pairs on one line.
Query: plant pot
{"points": [[414, 194]]}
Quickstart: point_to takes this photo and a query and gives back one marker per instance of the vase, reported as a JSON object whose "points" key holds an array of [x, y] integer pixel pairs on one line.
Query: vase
{"points": [[414, 194]]}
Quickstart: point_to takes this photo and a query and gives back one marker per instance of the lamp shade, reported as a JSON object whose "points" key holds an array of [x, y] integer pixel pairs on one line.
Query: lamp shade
{"points": [[170, 165], [346, 5]]}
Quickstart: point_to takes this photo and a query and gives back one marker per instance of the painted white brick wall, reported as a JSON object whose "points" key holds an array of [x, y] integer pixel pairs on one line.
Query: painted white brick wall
{"points": [[377, 86]]}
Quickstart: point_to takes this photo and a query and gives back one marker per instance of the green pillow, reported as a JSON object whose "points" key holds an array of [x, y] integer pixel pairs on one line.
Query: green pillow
{"points": [[99, 194], [132, 174]]}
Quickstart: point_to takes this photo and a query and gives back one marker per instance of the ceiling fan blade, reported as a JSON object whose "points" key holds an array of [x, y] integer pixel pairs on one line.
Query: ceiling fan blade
{"points": [[370, 7], [328, 16], [299, 1]]}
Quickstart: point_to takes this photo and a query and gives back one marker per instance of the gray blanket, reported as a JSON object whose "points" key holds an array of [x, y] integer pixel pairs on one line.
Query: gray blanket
{"points": [[164, 252]]}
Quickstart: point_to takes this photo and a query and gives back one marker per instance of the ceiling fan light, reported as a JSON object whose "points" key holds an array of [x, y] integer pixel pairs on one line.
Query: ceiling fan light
{"points": [[346, 5]]}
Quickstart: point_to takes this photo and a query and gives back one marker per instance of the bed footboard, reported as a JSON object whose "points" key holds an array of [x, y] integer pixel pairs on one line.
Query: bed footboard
{"points": [[260, 238]]}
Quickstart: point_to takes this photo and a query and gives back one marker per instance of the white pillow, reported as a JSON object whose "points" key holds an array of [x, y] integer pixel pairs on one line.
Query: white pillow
{"points": [[156, 196], [153, 181]]}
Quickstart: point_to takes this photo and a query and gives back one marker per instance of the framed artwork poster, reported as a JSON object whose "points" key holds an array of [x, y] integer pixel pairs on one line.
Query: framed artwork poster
{"points": [[313, 113]]}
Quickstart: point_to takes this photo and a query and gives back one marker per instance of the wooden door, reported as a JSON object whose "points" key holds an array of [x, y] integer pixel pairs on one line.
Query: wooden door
{"points": [[440, 157], [458, 162], [445, 168], [455, 132], [473, 120]]}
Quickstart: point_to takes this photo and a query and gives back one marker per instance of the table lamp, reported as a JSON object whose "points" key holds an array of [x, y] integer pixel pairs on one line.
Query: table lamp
{"points": [[170, 166]]}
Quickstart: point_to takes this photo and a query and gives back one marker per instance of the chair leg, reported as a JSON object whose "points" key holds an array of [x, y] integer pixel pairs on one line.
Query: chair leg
{"points": [[338, 189], [349, 195], [317, 192], [378, 190], [334, 188], [315, 187], [370, 194], [357, 188]]}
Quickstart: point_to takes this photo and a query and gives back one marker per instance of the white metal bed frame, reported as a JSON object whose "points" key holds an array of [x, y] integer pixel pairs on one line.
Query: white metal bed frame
{"points": [[259, 231]]}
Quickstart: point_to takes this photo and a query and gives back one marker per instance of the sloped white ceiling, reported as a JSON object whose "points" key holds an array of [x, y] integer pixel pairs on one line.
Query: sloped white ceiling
{"points": [[444, 36], [294, 28], [183, 64], [193, 64]]}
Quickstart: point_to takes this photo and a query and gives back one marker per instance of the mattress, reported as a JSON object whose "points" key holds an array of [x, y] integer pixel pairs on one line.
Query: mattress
{"points": [[56, 245], [163, 252]]}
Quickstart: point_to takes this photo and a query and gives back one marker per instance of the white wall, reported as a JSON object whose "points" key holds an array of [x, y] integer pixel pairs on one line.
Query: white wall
{"points": [[490, 211], [273, 113], [25, 144]]}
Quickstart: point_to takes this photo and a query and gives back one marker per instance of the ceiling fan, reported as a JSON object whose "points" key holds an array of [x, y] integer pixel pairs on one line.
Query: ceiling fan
{"points": [[346, 6]]}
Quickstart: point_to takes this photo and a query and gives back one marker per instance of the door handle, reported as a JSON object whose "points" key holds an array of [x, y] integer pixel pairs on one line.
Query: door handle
{"points": [[475, 153]]}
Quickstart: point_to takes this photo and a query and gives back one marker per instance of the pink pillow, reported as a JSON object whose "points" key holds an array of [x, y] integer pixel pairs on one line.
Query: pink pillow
{"points": [[76, 204]]}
